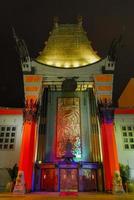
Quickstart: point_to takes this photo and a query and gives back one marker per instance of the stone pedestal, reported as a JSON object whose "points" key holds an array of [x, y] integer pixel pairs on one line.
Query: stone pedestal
{"points": [[20, 184], [117, 183]]}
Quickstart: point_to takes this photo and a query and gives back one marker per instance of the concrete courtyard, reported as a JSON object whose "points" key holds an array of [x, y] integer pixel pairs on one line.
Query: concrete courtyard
{"points": [[58, 196]]}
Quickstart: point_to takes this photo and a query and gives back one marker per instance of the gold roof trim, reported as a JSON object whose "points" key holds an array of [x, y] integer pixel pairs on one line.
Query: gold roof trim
{"points": [[68, 47]]}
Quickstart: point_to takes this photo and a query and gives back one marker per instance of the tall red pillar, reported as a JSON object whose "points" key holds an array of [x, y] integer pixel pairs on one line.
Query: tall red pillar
{"points": [[109, 150], [27, 153]]}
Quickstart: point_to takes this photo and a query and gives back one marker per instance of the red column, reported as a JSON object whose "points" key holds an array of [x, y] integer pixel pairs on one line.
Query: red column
{"points": [[27, 152], [109, 150], [29, 139]]}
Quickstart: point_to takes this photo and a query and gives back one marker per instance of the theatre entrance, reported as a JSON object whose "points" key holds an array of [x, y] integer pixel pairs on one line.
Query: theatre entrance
{"points": [[68, 180]]}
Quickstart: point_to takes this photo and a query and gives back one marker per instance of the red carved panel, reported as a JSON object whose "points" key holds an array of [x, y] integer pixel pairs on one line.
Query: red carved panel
{"points": [[68, 126]]}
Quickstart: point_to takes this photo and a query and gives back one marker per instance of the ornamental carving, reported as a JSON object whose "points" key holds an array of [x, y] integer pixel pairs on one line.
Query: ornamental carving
{"points": [[30, 110], [106, 111]]}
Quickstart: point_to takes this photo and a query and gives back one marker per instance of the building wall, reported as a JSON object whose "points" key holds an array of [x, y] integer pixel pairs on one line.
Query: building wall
{"points": [[126, 156], [10, 157]]}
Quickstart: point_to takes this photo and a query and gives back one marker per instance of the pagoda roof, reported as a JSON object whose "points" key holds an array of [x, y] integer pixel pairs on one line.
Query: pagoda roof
{"points": [[68, 47]]}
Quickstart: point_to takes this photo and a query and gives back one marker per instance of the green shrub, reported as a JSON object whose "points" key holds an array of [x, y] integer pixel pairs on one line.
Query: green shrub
{"points": [[124, 173], [13, 172], [131, 187]]}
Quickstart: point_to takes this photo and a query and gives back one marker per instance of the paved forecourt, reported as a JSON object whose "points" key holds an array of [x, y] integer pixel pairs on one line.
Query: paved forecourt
{"points": [[59, 196]]}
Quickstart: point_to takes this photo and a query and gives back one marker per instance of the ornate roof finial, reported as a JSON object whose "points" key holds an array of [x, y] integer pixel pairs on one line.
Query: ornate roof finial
{"points": [[80, 20], [14, 34], [23, 52], [56, 20]]}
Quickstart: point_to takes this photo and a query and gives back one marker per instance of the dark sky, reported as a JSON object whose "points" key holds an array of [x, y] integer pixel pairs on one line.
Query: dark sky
{"points": [[33, 20]]}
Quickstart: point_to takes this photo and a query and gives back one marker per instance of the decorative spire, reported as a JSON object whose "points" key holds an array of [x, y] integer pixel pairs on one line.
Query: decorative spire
{"points": [[80, 20], [56, 20], [23, 52], [14, 35]]}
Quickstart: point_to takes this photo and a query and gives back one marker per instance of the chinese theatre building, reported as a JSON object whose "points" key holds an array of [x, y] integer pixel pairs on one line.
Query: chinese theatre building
{"points": [[66, 138]]}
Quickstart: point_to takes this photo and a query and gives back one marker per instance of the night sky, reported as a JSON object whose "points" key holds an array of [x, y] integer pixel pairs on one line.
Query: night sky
{"points": [[103, 20]]}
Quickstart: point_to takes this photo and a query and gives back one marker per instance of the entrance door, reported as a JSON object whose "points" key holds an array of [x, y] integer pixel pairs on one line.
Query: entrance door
{"points": [[48, 180], [68, 180], [89, 182]]}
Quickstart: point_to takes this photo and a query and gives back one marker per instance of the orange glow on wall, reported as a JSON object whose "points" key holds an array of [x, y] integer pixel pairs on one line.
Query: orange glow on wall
{"points": [[126, 99], [104, 87], [110, 158], [32, 78], [104, 78], [32, 88], [27, 153]]}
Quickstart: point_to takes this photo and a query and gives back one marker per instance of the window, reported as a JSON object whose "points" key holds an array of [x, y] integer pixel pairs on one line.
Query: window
{"points": [[125, 139], [1, 134], [130, 134], [3, 128], [129, 128], [6, 140], [1, 140], [7, 134], [126, 146], [123, 128], [131, 140], [132, 146], [8, 128], [128, 137], [124, 134], [13, 134], [12, 140], [7, 137], [13, 128]]}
